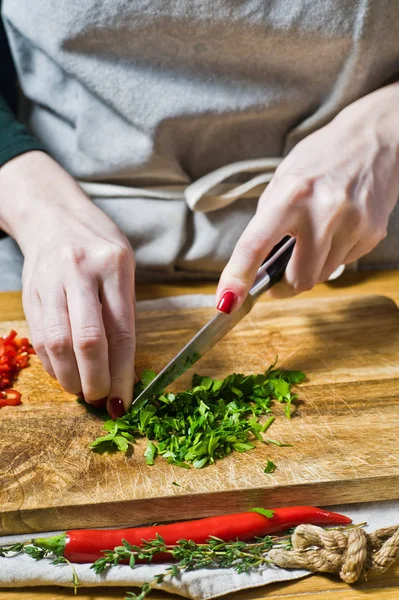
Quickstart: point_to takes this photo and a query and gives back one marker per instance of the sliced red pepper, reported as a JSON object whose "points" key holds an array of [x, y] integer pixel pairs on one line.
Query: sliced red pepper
{"points": [[22, 362], [12, 398], [8, 338], [14, 356]]}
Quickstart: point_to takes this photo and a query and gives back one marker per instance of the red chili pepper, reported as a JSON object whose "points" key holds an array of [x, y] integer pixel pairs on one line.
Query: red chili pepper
{"points": [[87, 545], [14, 356]]}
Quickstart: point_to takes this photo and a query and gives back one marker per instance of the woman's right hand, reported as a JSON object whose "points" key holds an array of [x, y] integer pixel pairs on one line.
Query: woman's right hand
{"points": [[78, 281]]}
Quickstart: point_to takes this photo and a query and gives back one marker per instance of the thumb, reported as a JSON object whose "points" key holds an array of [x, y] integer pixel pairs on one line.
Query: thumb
{"points": [[251, 250]]}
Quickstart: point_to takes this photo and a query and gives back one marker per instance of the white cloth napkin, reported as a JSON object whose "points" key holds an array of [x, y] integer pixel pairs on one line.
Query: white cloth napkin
{"points": [[23, 571], [204, 584]]}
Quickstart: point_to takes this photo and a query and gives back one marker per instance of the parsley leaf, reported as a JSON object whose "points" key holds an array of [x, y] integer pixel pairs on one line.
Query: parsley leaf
{"points": [[150, 453], [147, 376], [279, 444], [270, 467]]}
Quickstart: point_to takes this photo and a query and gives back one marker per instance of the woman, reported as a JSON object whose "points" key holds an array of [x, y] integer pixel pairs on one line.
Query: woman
{"points": [[173, 117]]}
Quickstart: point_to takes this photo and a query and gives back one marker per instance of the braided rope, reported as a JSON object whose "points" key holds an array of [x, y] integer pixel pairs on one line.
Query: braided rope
{"points": [[349, 553]]}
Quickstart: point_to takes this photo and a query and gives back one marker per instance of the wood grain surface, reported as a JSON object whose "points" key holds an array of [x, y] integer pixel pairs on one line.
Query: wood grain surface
{"points": [[381, 586], [344, 432]]}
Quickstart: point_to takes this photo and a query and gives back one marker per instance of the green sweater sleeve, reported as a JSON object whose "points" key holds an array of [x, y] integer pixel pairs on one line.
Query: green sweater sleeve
{"points": [[14, 137]]}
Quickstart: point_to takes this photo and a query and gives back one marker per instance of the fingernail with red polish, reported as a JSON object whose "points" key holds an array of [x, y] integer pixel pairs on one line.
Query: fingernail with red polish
{"points": [[226, 302], [99, 403], [116, 408]]}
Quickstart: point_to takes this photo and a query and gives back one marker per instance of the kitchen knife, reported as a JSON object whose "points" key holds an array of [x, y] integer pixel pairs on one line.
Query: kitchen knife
{"points": [[270, 272]]}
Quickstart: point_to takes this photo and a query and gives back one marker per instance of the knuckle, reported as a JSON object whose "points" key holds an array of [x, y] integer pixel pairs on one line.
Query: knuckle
{"points": [[88, 339], [379, 234], [117, 256], [355, 219], [122, 338], [247, 247], [39, 346], [374, 230], [57, 342], [296, 188], [250, 244], [74, 255]]}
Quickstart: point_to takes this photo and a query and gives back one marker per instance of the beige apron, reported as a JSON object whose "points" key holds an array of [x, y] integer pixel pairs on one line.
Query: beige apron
{"points": [[174, 115]]}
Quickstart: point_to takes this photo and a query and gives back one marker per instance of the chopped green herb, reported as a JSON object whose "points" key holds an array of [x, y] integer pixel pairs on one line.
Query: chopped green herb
{"points": [[176, 484], [279, 444], [263, 511], [196, 427], [121, 442], [147, 376], [150, 453], [266, 426], [270, 467]]}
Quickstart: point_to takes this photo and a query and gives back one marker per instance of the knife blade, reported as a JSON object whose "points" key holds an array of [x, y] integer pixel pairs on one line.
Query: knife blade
{"points": [[268, 274]]}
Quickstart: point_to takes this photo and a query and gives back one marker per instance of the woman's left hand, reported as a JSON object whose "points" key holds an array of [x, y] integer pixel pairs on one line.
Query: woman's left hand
{"points": [[334, 193]]}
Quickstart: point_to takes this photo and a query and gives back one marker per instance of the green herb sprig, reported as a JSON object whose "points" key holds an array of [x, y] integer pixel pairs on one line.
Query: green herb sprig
{"points": [[38, 553], [198, 426], [189, 556]]}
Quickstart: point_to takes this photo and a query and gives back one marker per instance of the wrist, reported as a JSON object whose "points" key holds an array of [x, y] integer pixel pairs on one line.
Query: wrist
{"points": [[33, 187], [377, 113]]}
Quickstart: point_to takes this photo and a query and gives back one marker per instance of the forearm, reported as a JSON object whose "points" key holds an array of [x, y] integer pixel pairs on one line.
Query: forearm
{"points": [[378, 111], [34, 193], [15, 141]]}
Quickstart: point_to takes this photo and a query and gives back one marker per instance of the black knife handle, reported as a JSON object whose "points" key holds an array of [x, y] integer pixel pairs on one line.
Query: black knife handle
{"points": [[273, 267], [277, 268]]}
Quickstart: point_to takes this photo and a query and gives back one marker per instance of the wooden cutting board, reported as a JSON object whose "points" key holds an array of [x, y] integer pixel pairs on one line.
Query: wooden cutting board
{"points": [[345, 432]]}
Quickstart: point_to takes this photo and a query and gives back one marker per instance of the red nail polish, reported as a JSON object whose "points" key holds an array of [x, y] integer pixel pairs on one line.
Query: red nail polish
{"points": [[226, 302], [116, 408], [99, 403]]}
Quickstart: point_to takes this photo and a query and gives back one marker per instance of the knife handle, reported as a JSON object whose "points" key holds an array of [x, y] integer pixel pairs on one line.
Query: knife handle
{"points": [[272, 269]]}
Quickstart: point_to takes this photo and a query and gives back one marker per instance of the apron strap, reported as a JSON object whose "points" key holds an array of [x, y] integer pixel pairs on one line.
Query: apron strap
{"points": [[206, 193]]}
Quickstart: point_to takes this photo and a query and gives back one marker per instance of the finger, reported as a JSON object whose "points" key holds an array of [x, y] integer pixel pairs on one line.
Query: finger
{"points": [[58, 339], [117, 299], [306, 264], [340, 248], [363, 247], [278, 214], [89, 340], [254, 245], [33, 313]]}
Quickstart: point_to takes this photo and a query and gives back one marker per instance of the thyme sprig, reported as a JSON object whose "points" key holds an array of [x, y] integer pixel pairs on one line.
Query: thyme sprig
{"points": [[189, 556], [38, 553]]}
